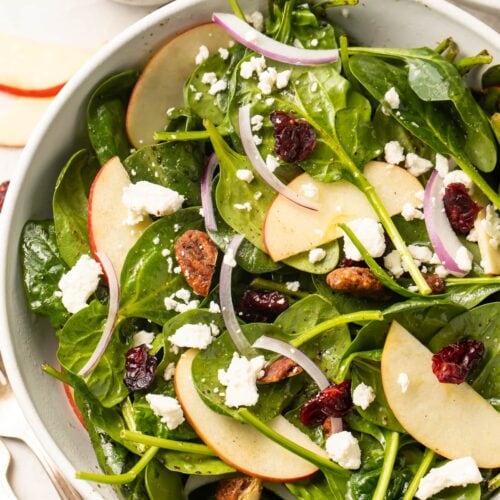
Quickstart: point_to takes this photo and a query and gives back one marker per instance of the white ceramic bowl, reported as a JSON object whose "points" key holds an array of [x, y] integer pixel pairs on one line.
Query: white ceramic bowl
{"points": [[27, 341]]}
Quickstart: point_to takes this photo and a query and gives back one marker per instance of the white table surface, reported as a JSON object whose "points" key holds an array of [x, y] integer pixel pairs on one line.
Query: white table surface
{"points": [[88, 24]]}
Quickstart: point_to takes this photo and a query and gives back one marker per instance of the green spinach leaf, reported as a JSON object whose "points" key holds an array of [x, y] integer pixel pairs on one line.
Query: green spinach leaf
{"points": [[162, 484], [190, 463]]}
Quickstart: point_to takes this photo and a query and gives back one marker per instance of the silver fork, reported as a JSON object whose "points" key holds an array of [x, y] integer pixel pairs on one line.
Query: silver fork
{"points": [[13, 424], [5, 489]]}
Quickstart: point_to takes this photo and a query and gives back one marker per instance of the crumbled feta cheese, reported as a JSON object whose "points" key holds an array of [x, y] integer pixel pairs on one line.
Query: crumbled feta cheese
{"points": [[371, 235], [244, 174], [463, 258], [165, 252], [363, 396], [416, 165], [254, 65], [257, 140], [394, 264], [410, 212], [293, 286], [183, 304], [420, 195], [177, 227], [217, 87], [198, 336], [201, 212], [257, 195], [79, 283], [442, 165], [240, 380], [403, 382], [209, 78], [420, 253], [267, 80], [257, 122], [458, 472], [314, 42], [441, 271], [243, 206], [146, 198], [169, 372], [309, 190], [297, 43], [391, 97], [343, 448], [256, 19], [272, 163], [143, 338], [198, 96], [316, 255], [491, 226], [213, 307], [183, 294], [229, 258], [394, 152], [224, 53], [458, 177], [269, 101], [283, 78], [167, 408], [202, 55], [314, 87], [156, 240]]}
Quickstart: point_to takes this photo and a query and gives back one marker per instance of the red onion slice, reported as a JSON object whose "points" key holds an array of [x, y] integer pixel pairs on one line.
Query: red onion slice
{"points": [[206, 193], [262, 44], [114, 304], [295, 354], [260, 166], [443, 238], [226, 300]]}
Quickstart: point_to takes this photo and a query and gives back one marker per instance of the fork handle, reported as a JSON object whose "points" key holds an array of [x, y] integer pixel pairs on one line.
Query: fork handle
{"points": [[5, 490]]}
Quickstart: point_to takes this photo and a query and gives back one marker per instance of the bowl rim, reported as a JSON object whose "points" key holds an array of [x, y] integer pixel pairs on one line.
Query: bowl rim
{"points": [[453, 12]]}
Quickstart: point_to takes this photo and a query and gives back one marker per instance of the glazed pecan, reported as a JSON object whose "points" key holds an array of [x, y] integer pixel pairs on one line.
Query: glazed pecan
{"points": [[280, 369], [435, 282], [358, 281], [239, 488], [197, 255]]}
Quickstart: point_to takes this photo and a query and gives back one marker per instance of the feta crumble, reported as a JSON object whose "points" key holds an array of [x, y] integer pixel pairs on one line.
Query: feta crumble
{"points": [[391, 97], [209, 78], [240, 380], [316, 255], [491, 226], [371, 235], [169, 372], [244, 174], [283, 78], [217, 87], [146, 198], [272, 163], [293, 286], [463, 258], [420, 253], [224, 53], [213, 307], [394, 264], [79, 283], [257, 122], [180, 301], [229, 258], [254, 65], [442, 165], [314, 42], [403, 382], [267, 80], [243, 206], [458, 472], [143, 338], [256, 19], [394, 152], [202, 55], [417, 165], [198, 336], [410, 212], [363, 396], [343, 448], [167, 408], [458, 177]]}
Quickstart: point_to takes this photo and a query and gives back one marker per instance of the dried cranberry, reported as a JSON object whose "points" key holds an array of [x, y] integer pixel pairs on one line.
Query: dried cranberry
{"points": [[140, 368], [3, 192], [294, 139], [436, 283], [257, 306], [461, 209], [454, 362], [334, 401]]}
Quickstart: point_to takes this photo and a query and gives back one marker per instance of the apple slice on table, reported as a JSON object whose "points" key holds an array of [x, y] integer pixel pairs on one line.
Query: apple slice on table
{"points": [[452, 420], [37, 69], [18, 118], [238, 444], [161, 84], [107, 214], [290, 229]]}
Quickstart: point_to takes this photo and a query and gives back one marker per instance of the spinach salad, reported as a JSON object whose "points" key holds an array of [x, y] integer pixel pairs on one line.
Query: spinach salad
{"points": [[285, 285]]}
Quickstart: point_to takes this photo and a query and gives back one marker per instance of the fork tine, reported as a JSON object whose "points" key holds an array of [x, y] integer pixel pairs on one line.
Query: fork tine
{"points": [[5, 489]]}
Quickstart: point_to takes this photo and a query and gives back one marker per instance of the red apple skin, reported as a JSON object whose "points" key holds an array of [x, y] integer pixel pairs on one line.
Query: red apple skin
{"points": [[47, 92], [72, 403]]}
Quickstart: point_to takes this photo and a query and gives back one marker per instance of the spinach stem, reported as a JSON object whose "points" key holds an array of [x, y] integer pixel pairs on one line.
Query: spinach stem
{"points": [[473, 281], [375, 355], [443, 45], [337, 321], [467, 63], [50, 370], [191, 135], [391, 451], [126, 477], [167, 444], [319, 461], [494, 483], [237, 9], [421, 472], [261, 283]]}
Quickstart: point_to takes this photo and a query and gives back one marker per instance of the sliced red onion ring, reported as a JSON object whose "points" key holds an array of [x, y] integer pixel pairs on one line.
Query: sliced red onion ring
{"points": [[206, 193], [260, 166], [295, 354], [262, 44], [114, 304], [443, 238], [226, 300]]}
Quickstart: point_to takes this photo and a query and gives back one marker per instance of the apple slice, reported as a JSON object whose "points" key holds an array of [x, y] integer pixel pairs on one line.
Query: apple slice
{"points": [[37, 69], [490, 256], [161, 84], [18, 117], [290, 229], [238, 444], [452, 420], [108, 232]]}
